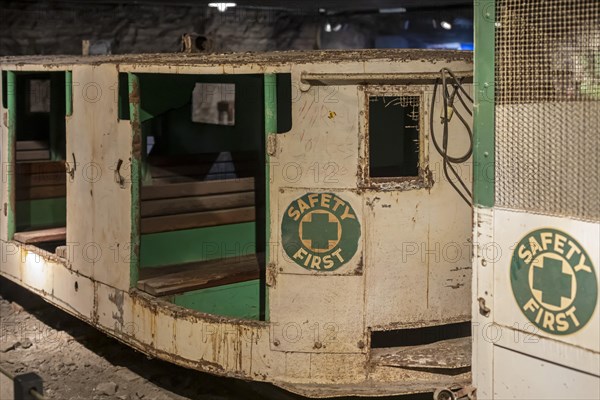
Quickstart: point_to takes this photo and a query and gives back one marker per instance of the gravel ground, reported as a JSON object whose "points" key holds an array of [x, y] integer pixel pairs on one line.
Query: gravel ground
{"points": [[77, 362]]}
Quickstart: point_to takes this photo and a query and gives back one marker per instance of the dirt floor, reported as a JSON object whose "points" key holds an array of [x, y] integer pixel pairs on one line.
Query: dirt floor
{"points": [[77, 362]]}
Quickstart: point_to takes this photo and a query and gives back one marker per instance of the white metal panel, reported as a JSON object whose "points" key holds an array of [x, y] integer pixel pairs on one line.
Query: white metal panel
{"points": [[80, 149], [111, 141], [517, 376], [337, 327], [510, 228], [418, 267]]}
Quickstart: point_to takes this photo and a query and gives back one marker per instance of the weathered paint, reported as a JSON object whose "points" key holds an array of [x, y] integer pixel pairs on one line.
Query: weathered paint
{"points": [[69, 93], [135, 177], [9, 154], [270, 110], [317, 339], [483, 108]]}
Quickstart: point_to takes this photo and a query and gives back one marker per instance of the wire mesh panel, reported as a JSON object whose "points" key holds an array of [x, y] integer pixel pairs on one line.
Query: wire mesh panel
{"points": [[548, 106]]}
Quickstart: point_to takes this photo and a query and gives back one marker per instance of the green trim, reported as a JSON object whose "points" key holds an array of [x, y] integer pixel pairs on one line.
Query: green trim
{"points": [[238, 300], [270, 93], [41, 213], [135, 165], [200, 244], [68, 93], [11, 91], [483, 117]]}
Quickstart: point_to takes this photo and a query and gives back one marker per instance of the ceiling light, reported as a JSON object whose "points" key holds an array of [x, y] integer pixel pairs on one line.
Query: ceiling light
{"points": [[328, 27], [446, 25], [392, 10], [337, 27], [222, 7]]}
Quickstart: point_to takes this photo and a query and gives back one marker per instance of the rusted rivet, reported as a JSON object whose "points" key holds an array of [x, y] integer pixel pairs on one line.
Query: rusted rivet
{"points": [[318, 345], [361, 344], [276, 342], [483, 262]]}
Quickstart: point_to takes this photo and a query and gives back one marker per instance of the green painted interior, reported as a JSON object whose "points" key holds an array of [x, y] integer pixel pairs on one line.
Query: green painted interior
{"points": [[184, 246], [165, 113], [271, 100], [43, 126], [239, 300], [69, 93], [483, 116], [41, 213]]}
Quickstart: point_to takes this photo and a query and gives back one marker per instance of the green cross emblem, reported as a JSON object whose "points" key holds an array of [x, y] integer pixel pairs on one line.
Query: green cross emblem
{"points": [[552, 282], [319, 231]]}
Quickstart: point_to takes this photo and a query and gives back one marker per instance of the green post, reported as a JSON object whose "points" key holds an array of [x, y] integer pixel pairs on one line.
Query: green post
{"points": [[483, 116], [270, 93], [11, 91], [136, 142], [68, 93]]}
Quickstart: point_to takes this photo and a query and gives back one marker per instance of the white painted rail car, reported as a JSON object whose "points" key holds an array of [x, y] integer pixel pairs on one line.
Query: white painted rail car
{"points": [[278, 217], [536, 227]]}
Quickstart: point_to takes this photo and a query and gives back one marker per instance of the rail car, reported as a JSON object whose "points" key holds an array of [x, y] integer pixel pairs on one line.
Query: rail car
{"points": [[280, 217], [536, 221]]}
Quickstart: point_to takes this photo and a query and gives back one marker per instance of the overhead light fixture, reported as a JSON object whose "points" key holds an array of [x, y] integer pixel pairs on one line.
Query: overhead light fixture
{"points": [[333, 28], [222, 7], [392, 10], [446, 25]]}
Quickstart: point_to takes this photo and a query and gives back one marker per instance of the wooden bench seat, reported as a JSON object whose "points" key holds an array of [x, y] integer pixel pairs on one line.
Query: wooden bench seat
{"points": [[40, 180], [32, 150], [42, 235], [171, 207], [201, 167], [164, 281]]}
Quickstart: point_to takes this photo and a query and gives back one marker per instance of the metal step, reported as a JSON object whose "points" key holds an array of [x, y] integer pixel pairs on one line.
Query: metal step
{"points": [[445, 354]]}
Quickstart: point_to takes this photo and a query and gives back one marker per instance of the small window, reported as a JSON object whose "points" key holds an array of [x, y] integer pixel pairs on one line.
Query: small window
{"points": [[394, 136], [214, 103], [39, 95]]}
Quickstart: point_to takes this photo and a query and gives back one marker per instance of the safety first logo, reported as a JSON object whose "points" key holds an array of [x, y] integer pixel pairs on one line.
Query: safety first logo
{"points": [[554, 281], [320, 231]]}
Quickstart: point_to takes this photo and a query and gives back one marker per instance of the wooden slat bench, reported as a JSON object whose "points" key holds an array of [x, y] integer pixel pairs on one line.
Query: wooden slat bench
{"points": [[40, 180], [171, 280], [32, 150], [41, 236], [170, 207]]}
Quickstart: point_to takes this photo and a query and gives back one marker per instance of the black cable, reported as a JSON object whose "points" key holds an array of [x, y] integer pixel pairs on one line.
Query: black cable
{"points": [[449, 80]]}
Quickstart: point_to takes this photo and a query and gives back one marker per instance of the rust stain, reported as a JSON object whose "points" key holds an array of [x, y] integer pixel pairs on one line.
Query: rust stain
{"points": [[331, 115]]}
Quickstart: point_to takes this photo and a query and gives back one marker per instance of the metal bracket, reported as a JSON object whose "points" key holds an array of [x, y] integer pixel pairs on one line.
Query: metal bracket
{"points": [[71, 170], [118, 177]]}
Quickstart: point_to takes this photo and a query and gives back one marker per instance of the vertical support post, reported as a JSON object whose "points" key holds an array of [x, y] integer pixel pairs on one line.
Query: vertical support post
{"points": [[136, 152], [483, 116], [270, 93], [9, 165], [68, 93]]}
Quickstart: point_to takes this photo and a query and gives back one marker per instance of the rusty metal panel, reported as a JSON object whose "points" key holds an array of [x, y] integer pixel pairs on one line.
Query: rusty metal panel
{"points": [[337, 327], [80, 155], [420, 248], [111, 142]]}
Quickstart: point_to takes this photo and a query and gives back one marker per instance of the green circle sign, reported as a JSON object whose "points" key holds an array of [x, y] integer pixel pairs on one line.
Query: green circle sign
{"points": [[554, 281], [320, 231]]}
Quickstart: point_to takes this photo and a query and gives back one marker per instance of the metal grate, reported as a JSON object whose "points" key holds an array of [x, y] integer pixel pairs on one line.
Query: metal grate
{"points": [[548, 106]]}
